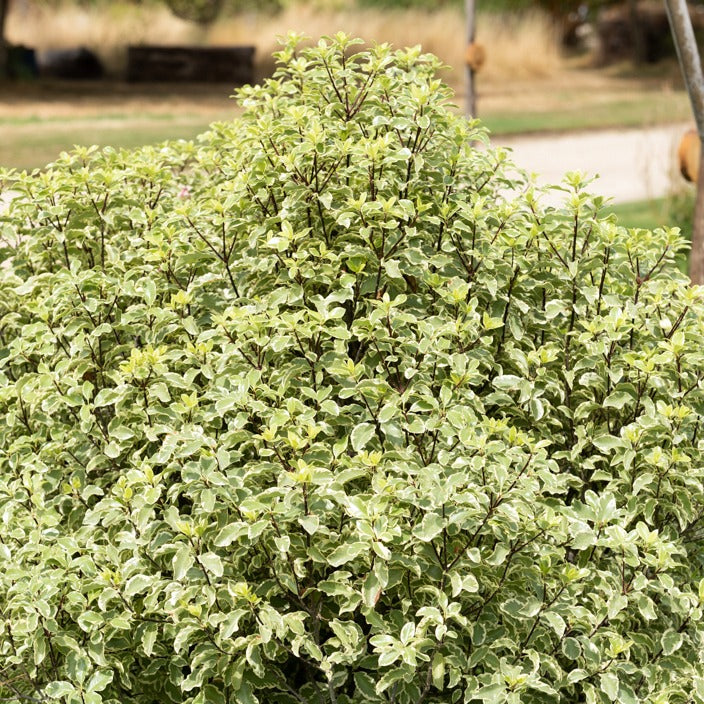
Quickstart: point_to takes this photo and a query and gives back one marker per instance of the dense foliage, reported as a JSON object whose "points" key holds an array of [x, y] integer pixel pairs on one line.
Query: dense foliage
{"points": [[328, 408]]}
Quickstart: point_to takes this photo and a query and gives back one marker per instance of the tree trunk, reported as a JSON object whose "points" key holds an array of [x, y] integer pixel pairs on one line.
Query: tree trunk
{"points": [[637, 33], [696, 255], [688, 53], [470, 12], [4, 7]]}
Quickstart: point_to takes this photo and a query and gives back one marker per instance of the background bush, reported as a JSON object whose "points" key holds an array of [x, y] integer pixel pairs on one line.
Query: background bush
{"points": [[327, 407]]}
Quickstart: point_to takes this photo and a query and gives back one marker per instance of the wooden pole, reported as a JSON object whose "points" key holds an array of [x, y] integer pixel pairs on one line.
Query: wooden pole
{"points": [[690, 63], [471, 15]]}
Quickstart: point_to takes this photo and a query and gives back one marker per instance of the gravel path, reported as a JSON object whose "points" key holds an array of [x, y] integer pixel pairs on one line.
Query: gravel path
{"points": [[633, 164], [5, 198]]}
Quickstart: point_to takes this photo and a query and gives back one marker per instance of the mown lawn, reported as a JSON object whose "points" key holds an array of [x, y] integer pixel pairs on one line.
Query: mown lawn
{"points": [[32, 143], [635, 111], [672, 211]]}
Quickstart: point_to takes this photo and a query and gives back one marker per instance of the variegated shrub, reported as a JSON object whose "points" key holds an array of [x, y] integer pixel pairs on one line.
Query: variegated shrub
{"points": [[328, 408]]}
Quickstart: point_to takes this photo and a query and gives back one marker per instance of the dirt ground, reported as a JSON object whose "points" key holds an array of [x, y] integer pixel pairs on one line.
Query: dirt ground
{"points": [[51, 100], [577, 85]]}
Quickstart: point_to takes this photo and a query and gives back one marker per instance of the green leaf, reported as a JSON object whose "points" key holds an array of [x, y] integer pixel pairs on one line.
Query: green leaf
{"points": [[407, 632], [389, 657], [346, 553], [121, 432], [617, 603], [609, 684], [388, 412], [608, 443], [229, 534], [213, 695], [492, 693], [361, 435], [671, 642], [149, 292], [371, 589], [430, 527], [77, 666], [557, 623], [463, 583], [438, 671], [310, 524], [583, 540], [149, 639], [627, 695], [88, 620], [618, 399], [244, 695], [105, 397], [699, 687], [334, 588], [59, 689], [112, 450], [99, 680], [212, 562], [182, 561], [365, 685], [136, 584], [507, 382], [570, 648]]}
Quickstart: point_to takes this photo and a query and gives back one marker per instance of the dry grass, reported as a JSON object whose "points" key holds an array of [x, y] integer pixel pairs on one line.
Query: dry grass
{"points": [[519, 47]]}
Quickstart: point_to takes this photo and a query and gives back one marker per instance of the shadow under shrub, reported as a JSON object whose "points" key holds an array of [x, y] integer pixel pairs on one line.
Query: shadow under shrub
{"points": [[327, 407]]}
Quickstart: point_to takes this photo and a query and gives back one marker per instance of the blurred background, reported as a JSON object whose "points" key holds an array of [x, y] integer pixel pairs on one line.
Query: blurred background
{"points": [[68, 74]]}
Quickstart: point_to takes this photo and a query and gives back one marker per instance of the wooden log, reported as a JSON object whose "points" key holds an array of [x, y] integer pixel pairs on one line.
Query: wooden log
{"points": [[232, 64]]}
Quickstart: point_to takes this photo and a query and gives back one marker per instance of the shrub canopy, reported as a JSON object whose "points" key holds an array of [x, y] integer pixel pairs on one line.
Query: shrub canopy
{"points": [[328, 408]]}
